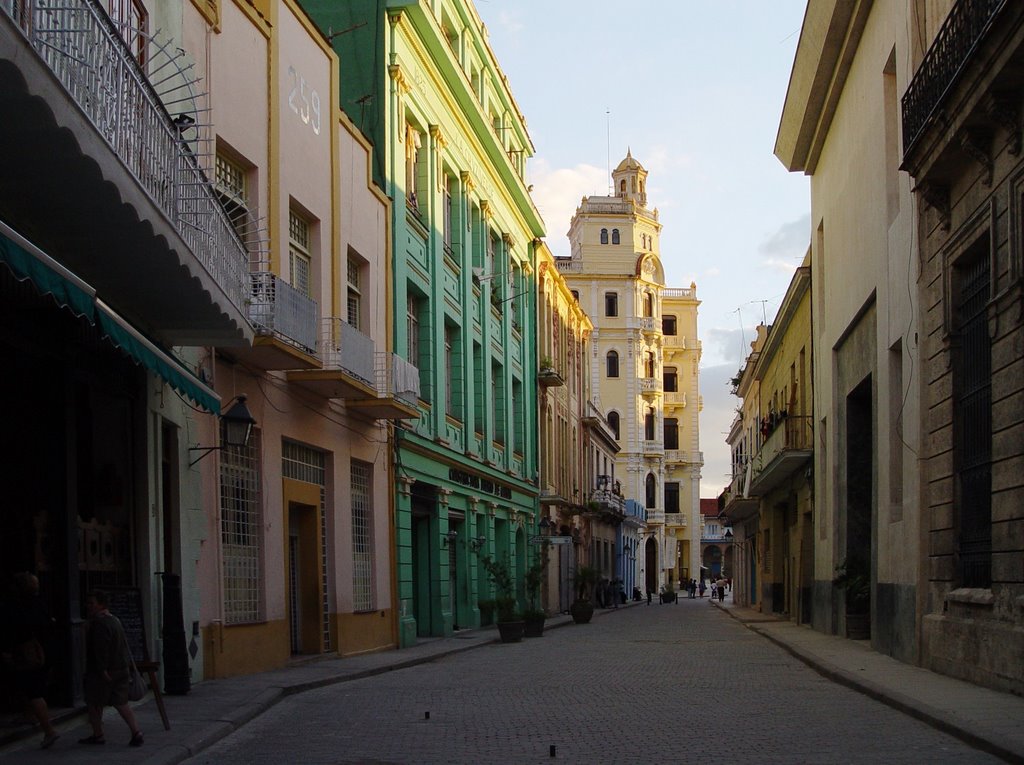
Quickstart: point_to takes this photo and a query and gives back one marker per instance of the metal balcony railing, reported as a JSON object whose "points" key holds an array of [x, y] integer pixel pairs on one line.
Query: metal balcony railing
{"points": [[87, 54], [396, 377], [276, 308], [345, 348], [653, 447], [650, 384], [608, 500], [569, 265], [965, 27]]}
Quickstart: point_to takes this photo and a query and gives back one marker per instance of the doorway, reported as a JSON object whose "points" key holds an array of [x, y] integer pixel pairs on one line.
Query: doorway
{"points": [[651, 565], [302, 544]]}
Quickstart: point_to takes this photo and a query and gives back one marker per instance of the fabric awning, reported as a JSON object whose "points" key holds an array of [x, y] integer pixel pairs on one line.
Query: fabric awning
{"points": [[28, 263]]}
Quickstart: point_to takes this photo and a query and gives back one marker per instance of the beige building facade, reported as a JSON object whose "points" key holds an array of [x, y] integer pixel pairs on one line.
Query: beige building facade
{"points": [[639, 349]]}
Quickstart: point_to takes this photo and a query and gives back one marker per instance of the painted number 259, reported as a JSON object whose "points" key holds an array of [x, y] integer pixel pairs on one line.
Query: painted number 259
{"points": [[304, 101]]}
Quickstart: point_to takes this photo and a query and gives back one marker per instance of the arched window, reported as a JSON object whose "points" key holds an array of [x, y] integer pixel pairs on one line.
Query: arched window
{"points": [[612, 364], [613, 423], [648, 304], [615, 236], [622, 187], [651, 492], [604, 236], [648, 364], [649, 425]]}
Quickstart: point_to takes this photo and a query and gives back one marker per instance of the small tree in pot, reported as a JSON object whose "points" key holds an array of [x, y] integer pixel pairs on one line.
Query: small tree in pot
{"points": [[510, 623], [534, 616], [582, 609]]}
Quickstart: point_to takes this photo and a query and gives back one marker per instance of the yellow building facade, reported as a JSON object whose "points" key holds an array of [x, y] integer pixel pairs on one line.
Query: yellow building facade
{"points": [[643, 368]]}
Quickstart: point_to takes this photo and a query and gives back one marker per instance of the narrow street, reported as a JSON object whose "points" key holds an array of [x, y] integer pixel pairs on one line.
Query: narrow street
{"points": [[674, 683]]}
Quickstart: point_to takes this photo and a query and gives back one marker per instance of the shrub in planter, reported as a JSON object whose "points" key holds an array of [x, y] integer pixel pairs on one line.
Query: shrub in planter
{"points": [[486, 611], [582, 609], [510, 623]]}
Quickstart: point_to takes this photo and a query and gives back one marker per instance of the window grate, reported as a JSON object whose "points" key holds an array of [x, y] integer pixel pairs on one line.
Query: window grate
{"points": [[241, 524], [362, 538]]}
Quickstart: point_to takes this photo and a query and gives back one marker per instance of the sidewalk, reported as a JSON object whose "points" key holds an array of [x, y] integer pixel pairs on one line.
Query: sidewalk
{"points": [[215, 708], [986, 719]]}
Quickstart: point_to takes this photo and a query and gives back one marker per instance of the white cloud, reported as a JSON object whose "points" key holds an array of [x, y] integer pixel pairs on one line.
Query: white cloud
{"points": [[511, 22], [713, 272], [789, 242], [715, 421], [782, 266], [557, 193]]}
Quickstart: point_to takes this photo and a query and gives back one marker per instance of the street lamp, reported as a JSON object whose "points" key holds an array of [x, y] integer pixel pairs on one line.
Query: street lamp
{"points": [[238, 423]]}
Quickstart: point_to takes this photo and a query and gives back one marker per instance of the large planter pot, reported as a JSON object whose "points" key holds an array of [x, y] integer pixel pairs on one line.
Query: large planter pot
{"points": [[582, 611], [511, 632], [534, 628], [858, 626]]}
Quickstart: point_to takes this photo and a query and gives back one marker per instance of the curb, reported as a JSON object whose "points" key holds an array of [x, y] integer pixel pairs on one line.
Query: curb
{"points": [[905, 704]]}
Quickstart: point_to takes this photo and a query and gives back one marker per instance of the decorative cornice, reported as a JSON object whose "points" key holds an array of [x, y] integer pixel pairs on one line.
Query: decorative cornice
{"points": [[405, 485], [467, 181], [486, 209], [509, 241]]}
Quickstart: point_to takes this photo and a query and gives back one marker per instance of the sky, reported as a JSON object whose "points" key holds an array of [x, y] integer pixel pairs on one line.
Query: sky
{"points": [[694, 89]]}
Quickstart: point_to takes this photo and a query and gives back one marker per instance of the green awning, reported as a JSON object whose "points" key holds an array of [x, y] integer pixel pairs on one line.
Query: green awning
{"points": [[128, 339], [28, 262]]}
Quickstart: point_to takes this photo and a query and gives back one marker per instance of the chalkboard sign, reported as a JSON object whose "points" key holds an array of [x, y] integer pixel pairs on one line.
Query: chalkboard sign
{"points": [[126, 605]]}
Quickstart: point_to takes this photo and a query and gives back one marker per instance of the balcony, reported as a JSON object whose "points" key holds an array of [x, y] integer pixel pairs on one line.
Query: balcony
{"points": [[549, 377], [98, 174], [675, 398], [733, 501], [653, 448], [650, 386], [675, 519], [285, 321], [608, 503], [646, 324], [962, 34], [655, 516], [398, 391], [569, 265], [788, 447], [348, 359]]}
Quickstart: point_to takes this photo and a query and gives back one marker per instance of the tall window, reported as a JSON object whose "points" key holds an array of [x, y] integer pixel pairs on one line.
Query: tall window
{"points": [[972, 421], [413, 143], [412, 329], [611, 304], [240, 529], [299, 253], [604, 236], [672, 497], [648, 364], [354, 292], [613, 423], [449, 363], [671, 433], [233, 192], [499, 401], [448, 182], [648, 304], [362, 536], [668, 325], [649, 425], [612, 364], [671, 380], [615, 236], [131, 19], [651, 492]]}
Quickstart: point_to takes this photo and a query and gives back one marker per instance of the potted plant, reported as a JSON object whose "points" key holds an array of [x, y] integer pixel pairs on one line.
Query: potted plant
{"points": [[582, 609], [668, 594], [854, 578], [534, 616], [510, 623]]}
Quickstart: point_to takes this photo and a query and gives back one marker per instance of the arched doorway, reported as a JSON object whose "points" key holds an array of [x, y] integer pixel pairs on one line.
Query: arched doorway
{"points": [[712, 561], [651, 565]]}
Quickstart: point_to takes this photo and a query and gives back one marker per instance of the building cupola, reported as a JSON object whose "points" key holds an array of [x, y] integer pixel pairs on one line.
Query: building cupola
{"points": [[630, 180]]}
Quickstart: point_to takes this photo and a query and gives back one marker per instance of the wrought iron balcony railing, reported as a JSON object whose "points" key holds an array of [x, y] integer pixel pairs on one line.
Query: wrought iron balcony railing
{"points": [[276, 308], [968, 23], [87, 54]]}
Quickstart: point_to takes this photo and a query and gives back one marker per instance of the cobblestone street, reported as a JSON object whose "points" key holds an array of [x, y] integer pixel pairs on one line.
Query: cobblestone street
{"points": [[682, 683]]}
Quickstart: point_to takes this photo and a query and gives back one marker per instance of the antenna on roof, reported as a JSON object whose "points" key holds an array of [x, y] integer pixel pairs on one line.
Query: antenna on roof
{"points": [[608, 156]]}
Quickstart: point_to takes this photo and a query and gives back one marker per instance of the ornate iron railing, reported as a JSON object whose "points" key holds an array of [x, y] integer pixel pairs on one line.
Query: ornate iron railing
{"points": [[967, 24], [88, 55]]}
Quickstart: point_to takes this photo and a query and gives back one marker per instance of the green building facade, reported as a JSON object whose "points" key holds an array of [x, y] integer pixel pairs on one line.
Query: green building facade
{"points": [[450, 149]]}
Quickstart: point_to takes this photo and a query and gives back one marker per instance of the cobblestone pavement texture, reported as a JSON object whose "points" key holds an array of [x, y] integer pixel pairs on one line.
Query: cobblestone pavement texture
{"points": [[653, 685], [675, 683]]}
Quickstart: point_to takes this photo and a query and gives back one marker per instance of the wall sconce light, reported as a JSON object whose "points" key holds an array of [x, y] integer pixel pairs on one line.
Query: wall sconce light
{"points": [[449, 538], [477, 542], [545, 527], [238, 422]]}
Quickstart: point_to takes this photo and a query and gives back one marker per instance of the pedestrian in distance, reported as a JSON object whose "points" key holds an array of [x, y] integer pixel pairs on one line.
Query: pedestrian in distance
{"points": [[107, 670], [714, 590], [23, 653], [700, 587]]}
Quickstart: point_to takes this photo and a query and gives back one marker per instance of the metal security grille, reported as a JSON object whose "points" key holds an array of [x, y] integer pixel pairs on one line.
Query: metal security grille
{"points": [[306, 464], [240, 530], [230, 179], [362, 548], [972, 423]]}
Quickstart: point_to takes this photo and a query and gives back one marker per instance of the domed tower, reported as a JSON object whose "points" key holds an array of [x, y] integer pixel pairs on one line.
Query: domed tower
{"points": [[631, 180]]}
